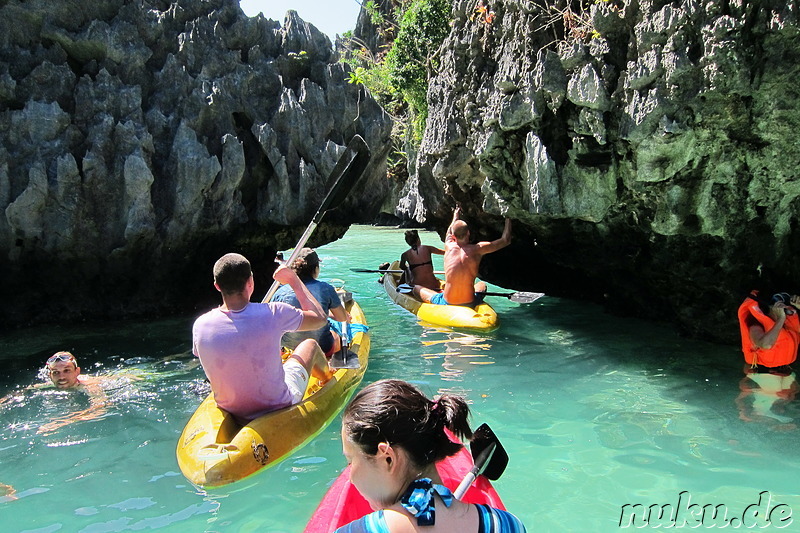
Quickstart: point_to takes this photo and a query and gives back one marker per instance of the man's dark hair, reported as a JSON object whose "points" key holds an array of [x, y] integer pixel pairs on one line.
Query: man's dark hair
{"points": [[231, 272]]}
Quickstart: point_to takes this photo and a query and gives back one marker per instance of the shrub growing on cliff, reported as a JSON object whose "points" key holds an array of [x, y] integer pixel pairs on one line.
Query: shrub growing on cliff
{"points": [[397, 75], [571, 20], [413, 58]]}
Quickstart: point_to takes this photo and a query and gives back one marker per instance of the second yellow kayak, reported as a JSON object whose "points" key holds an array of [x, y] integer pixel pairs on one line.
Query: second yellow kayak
{"points": [[482, 316]]}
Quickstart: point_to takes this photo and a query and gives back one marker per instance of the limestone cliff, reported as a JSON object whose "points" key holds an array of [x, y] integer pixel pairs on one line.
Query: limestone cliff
{"points": [[141, 139], [646, 149]]}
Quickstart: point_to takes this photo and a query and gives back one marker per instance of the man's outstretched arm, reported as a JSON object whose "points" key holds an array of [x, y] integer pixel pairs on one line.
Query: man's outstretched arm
{"points": [[456, 216], [502, 242]]}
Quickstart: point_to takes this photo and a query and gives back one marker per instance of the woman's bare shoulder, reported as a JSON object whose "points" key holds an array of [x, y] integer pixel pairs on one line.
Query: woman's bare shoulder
{"points": [[398, 522]]}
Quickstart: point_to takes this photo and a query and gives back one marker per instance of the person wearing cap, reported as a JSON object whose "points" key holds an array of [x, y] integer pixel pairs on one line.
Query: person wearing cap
{"points": [[307, 267], [239, 342], [461, 262], [417, 262]]}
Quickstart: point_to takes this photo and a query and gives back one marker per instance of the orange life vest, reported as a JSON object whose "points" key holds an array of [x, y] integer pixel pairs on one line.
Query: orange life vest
{"points": [[783, 352]]}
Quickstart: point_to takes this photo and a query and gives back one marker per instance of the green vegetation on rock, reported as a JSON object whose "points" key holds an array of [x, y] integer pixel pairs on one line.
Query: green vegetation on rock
{"points": [[397, 75]]}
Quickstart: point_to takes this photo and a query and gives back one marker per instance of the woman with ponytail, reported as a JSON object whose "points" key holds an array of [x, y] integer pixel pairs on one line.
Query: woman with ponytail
{"points": [[392, 437], [417, 262]]}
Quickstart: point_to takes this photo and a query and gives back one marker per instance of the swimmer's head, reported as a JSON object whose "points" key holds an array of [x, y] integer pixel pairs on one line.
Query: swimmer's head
{"points": [[63, 370]]}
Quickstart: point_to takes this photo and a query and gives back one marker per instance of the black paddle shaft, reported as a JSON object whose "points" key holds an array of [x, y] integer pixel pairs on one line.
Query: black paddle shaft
{"points": [[518, 297], [343, 177]]}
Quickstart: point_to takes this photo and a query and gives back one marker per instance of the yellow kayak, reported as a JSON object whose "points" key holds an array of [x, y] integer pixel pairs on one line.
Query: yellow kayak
{"points": [[482, 316], [214, 450]]}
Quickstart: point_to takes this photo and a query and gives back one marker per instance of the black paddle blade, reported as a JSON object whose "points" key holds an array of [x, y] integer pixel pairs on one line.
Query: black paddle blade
{"points": [[483, 438], [525, 297], [344, 359], [345, 174]]}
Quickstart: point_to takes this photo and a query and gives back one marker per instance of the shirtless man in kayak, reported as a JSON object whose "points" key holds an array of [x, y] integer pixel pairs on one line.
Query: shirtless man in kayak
{"points": [[461, 262]]}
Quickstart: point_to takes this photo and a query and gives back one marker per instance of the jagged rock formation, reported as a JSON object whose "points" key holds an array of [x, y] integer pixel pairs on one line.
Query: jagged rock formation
{"points": [[140, 140], [647, 150], [373, 36]]}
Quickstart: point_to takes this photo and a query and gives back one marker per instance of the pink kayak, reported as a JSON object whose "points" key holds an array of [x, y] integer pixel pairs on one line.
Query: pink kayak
{"points": [[343, 503]]}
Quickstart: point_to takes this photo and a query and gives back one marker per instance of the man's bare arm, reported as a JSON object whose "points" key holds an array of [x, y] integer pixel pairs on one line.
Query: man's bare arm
{"points": [[313, 315], [502, 242], [98, 407], [456, 216]]}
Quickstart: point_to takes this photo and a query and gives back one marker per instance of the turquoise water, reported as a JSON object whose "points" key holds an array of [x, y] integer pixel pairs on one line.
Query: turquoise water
{"points": [[595, 411]]}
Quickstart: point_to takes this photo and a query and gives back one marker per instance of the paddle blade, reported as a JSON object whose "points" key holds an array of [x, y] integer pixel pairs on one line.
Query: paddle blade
{"points": [[525, 297], [405, 288], [343, 177], [344, 359], [482, 439], [345, 174]]}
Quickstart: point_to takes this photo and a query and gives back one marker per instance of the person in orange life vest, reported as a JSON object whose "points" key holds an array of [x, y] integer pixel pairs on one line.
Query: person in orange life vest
{"points": [[770, 331]]}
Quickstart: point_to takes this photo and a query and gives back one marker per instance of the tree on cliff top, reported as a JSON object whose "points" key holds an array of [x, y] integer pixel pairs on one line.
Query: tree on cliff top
{"points": [[397, 72]]}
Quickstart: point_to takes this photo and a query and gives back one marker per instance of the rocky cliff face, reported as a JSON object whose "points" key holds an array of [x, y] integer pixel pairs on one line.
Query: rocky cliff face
{"points": [[141, 140], [646, 150]]}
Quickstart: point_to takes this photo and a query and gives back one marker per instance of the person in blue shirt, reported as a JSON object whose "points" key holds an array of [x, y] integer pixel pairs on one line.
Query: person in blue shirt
{"points": [[392, 437], [307, 266]]}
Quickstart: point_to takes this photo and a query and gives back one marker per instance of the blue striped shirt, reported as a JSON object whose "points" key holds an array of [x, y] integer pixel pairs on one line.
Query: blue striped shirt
{"points": [[490, 520]]}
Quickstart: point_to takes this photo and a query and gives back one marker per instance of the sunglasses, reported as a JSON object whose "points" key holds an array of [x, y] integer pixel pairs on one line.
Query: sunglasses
{"points": [[63, 357]]}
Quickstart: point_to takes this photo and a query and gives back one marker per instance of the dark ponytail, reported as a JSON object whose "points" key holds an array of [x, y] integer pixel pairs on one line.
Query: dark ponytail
{"points": [[412, 238], [397, 412]]}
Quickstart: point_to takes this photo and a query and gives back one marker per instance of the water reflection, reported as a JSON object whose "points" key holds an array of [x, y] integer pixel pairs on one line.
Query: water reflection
{"points": [[459, 351], [765, 397]]}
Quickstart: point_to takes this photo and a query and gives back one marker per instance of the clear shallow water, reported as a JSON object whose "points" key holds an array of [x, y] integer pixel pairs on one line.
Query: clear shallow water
{"points": [[595, 411]]}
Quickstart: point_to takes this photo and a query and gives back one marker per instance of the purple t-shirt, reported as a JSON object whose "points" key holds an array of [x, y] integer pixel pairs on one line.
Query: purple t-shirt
{"points": [[240, 353]]}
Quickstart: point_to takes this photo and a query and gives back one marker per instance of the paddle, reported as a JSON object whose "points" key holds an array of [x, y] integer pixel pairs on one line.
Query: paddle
{"points": [[519, 297], [367, 270], [345, 358], [345, 174], [489, 456]]}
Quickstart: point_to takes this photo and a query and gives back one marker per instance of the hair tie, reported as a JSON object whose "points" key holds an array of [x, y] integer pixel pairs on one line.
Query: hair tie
{"points": [[434, 405]]}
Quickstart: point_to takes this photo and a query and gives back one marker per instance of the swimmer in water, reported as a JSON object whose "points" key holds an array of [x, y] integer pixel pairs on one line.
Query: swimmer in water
{"points": [[65, 374]]}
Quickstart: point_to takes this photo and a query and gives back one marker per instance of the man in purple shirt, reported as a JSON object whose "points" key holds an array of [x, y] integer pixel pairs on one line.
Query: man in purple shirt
{"points": [[239, 343]]}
